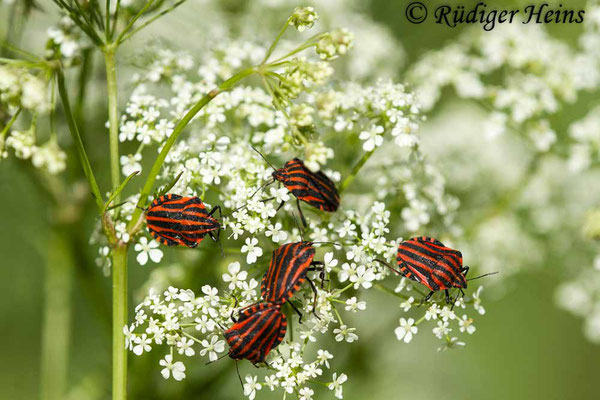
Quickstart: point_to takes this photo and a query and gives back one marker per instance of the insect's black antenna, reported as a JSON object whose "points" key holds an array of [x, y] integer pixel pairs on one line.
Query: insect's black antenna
{"points": [[334, 244], [269, 182], [220, 248], [264, 158], [388, 265], [119, 205], [481, 276], [298, 225], [237, 367], [223, 356]]}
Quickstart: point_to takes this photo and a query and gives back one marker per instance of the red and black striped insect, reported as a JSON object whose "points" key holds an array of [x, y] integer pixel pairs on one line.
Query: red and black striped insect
{"points": [[313, 188], [428, 261], [175, 220], [259, 329], [287, 272]]}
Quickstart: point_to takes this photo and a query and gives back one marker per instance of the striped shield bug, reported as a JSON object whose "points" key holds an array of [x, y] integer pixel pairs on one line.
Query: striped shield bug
{"points": [[313, 188], [428, 261], [175, 220], [287, 272], [258, 329]]}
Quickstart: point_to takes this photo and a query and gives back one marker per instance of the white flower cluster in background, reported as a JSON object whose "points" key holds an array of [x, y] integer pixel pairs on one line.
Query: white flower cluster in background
{"points": [[520, 84], [581, 297], [24, 91], [66, 42]]}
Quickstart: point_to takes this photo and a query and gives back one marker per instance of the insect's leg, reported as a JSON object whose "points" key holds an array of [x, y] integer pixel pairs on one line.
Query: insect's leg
{"points": [[314, 288], [426, 298], [237, 367], [465, 270], [269, 199], [233, 310], [460, 293], [447, 296], [301, 214], [215, 208], [319, 266], [297, 311], [280, 205]]}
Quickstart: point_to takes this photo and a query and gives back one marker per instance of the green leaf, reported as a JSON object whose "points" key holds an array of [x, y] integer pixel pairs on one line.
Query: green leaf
{"points": [[118, 191]]}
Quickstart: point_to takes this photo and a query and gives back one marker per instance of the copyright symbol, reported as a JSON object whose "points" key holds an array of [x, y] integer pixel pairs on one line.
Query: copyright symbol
{"points": [[416, 12]]}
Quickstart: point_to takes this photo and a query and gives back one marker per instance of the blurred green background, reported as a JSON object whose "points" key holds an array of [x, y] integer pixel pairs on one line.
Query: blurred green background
{"points": [[524, 347]]}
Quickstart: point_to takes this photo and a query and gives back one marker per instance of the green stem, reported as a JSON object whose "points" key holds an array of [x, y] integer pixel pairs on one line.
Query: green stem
{"points": [[113, 115], [274, 44], [83, 79], [57, 316], [85, 162], [5, 130], [384, 289], [355, 170], [119, 353], [156, 167]]}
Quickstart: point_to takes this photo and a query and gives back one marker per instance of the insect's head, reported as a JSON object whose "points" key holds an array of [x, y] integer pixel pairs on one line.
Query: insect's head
{"points": [[278, 175]]}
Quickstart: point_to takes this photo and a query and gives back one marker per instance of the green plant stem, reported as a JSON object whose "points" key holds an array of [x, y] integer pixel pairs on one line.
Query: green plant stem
{"points": [[85, 162], [57, 316], [156, 167], [113, 114], [119, 352], [355, 170], [274, 44]]}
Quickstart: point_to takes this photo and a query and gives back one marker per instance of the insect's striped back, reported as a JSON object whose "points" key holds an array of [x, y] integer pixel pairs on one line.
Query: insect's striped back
{"points": [[258, 330], [313, 188], [428, 261], [287, 271], [176, 220]]}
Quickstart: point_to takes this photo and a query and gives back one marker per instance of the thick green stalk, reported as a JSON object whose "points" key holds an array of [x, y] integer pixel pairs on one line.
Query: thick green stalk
{"points": [[85, 162], [113, 115], [156, 167], [57, 316], [119, 353], [355, 170]]}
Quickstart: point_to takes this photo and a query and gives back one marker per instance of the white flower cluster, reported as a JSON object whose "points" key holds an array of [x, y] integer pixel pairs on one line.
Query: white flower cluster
{"points": [[581, 297], [445, 317], [585, 134], [217, 162], [23, 89], [65, 42], [520, 83]]}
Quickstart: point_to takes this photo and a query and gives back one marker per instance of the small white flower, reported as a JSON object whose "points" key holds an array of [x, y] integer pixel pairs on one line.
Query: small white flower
{"points": [[345, 333], [337, 384], [212, 348], [323, 357], [406, 330], [235, 277], [329, 262], [203, 324], [129, 336], [185, 347], [372, 137], [466, 324], [352, 304], [131, 163], [306, 393], [147, 249], [252, 249], [406, 305], [442, 329], [251, 386], [275, 232], [142, 344], [176, 369]]}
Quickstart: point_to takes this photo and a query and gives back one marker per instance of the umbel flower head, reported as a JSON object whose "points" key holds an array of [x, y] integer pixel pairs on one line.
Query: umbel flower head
{"points": [[303, 17]]}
